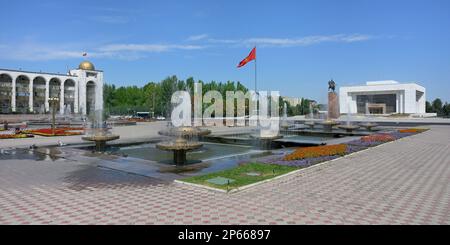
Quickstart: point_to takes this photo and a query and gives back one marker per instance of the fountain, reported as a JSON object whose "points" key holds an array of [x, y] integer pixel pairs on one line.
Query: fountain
{"points": [[183, 142], [328, 125], [265, 140], [368, 125], [99, 133], [284, 124], [311, 110], [310, 124], [348, 126]]}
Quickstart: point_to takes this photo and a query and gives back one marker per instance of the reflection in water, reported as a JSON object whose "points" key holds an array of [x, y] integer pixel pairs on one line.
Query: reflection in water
{"points": [[93, 176], [39, 154]]}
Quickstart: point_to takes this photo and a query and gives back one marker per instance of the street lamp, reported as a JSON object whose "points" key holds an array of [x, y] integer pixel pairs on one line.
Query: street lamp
{"points": [[53, 102]]}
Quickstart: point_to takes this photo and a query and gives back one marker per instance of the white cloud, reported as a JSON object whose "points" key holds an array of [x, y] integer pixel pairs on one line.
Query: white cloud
{"points": [[292, 42], [150, 48], [225, 41], [131, 51], [197, 37], [111, 19], [36, 52]]}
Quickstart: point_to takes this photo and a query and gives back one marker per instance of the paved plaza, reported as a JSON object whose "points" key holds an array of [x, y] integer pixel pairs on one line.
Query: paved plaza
{"points": [[403, 182]]}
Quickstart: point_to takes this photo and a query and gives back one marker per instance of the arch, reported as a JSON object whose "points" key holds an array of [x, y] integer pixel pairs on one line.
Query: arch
{"points": [[22, 94], [90, 97], [69, 96], [39, 94], [54, 86], [5, 93]]}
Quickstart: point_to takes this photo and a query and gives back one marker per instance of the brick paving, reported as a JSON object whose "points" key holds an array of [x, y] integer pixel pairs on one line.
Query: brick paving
{"points": [[404, 182]]}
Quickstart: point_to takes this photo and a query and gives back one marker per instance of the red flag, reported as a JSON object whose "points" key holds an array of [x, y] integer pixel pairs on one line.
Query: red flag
{"points": [[250, 57]]}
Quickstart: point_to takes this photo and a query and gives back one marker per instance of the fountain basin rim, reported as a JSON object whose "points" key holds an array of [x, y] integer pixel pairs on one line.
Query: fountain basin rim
{"points": [[172, 146], [266, 137], [348, 126], [368, 124], [100, 137], [185, 131], [329, 123]]}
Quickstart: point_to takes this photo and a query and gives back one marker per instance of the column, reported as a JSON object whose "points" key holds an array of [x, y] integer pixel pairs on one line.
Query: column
{"points": [[396, 103], [30, 96], [401, 103], [47, 95], [61, 98], [75, 102], [13, 94], [82, 99]]}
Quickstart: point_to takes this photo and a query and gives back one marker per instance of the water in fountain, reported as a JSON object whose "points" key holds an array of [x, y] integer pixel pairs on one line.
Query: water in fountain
{"points": [[284, 123], [99, 132], [348, 126], [311, 111], [182, 139]]}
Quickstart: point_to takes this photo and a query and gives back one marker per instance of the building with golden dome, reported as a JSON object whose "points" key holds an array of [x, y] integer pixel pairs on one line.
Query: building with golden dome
{"points": [[80, 91]]}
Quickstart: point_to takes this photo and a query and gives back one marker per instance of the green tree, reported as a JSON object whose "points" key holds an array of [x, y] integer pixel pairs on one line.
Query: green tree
{"points": [[446, 110], [428, 107], [437, 106]]}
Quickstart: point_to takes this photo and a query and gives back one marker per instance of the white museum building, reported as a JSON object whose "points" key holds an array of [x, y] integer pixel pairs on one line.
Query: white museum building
{"points": [[78, 91], [383, 97]]}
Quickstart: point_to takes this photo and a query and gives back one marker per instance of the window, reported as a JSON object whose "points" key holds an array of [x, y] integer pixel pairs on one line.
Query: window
{"points": [[388, 100]]}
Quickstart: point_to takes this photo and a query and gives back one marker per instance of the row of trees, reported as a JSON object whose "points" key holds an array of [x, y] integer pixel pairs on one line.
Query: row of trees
{"points": [[436, 106], [155, 97]]}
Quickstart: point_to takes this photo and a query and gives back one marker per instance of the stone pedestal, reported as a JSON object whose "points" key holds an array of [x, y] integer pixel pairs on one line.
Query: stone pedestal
{"points": [[179, 157], [333, 105]]}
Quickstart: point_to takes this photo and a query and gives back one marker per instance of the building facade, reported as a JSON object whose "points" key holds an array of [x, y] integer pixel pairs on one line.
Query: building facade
{"points": [[383, 97], [80, 91]]}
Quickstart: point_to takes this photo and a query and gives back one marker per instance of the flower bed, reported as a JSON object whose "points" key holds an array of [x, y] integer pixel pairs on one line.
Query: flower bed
{"points": [[412, 130], [280, 159], [316, 151], [58, 131], [304, 157], [378, 138], [15, 136]]}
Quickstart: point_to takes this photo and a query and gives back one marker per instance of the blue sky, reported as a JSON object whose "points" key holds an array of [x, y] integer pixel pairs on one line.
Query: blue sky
{"points": [[300, 44]]}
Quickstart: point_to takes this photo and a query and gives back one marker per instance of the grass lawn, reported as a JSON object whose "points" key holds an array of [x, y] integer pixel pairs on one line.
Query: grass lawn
{"points": [[240, 177]]}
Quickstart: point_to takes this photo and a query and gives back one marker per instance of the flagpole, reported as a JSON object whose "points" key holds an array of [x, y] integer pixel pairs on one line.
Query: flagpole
{"points": [[256, 88]]}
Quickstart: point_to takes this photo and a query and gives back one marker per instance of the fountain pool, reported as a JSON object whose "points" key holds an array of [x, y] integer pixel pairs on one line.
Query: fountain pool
{"points": [[209, 151]]}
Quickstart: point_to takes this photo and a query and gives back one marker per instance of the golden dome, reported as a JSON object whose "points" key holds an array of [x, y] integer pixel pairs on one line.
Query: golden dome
{"points": [[86, 65]]}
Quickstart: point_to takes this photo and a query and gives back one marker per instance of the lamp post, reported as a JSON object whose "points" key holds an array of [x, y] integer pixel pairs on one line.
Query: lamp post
{"points": [[53, 101]]}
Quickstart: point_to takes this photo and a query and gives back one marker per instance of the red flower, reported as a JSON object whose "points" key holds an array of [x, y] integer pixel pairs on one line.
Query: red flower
{"points": [[58, 131], [378, 138], [316, 151]]}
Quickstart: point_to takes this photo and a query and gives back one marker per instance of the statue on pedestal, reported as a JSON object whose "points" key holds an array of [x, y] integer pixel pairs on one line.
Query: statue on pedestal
{"points": [[333, 101], [331, 86]]}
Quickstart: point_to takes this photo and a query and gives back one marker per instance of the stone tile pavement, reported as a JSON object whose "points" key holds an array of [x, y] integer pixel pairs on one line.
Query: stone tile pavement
{"points": [[404, 182]]}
